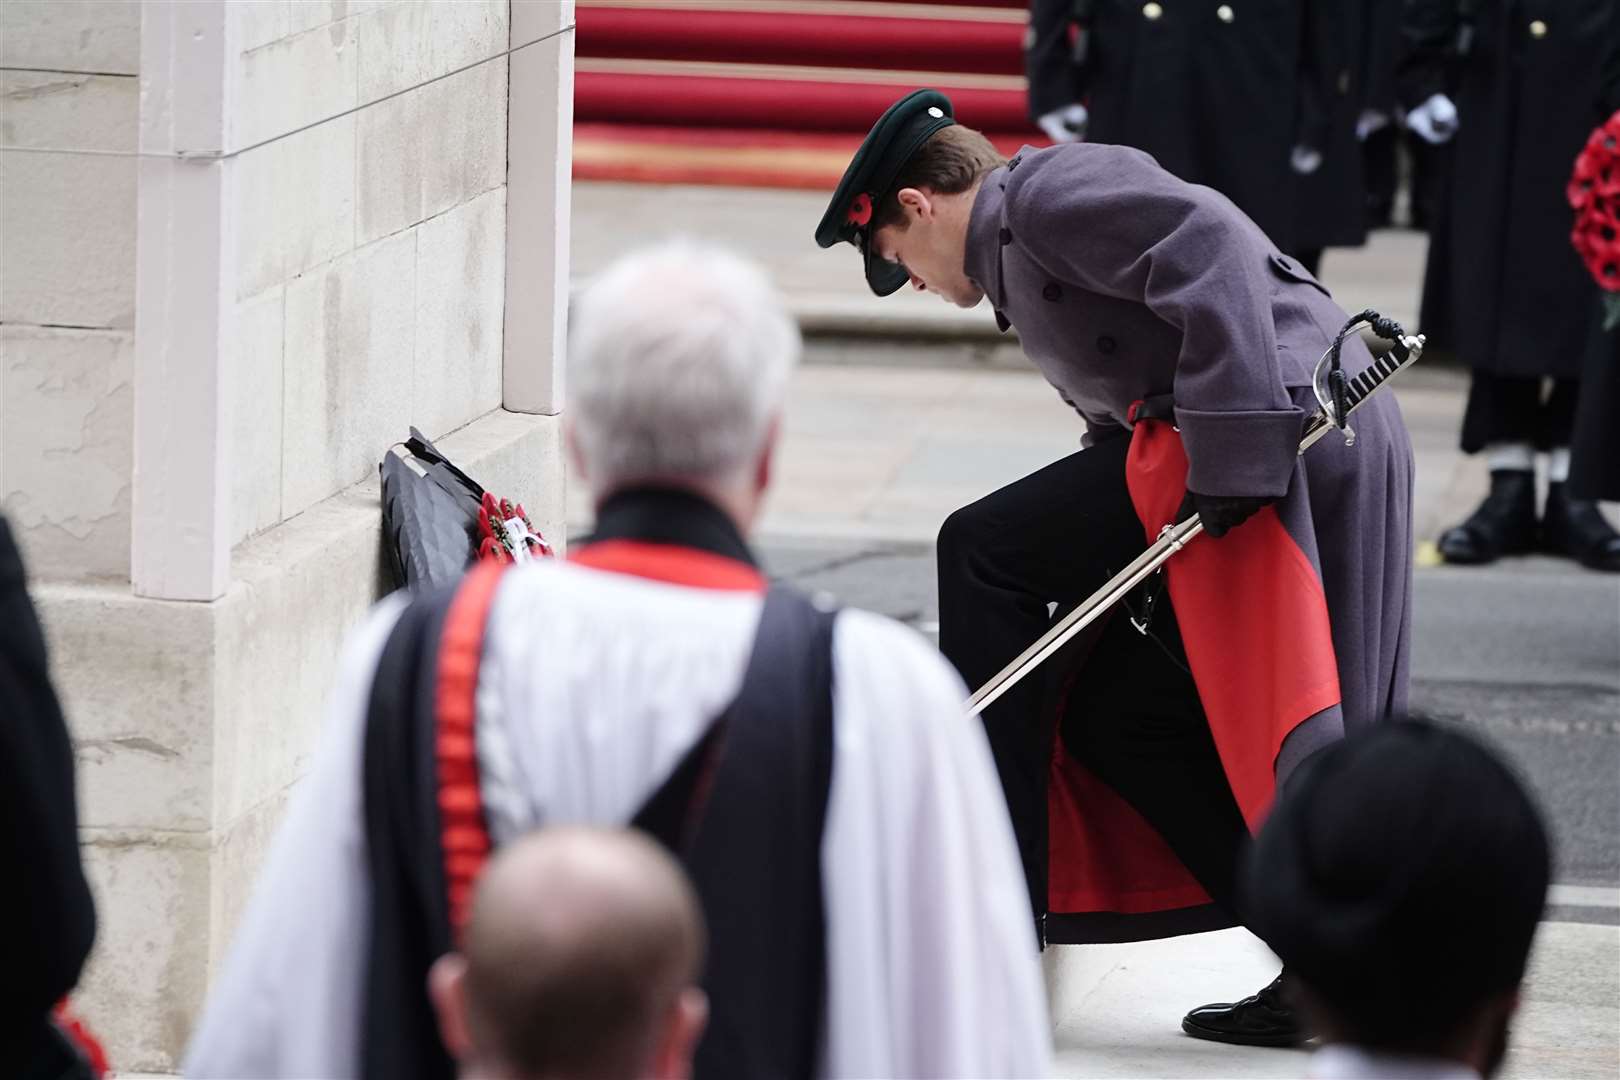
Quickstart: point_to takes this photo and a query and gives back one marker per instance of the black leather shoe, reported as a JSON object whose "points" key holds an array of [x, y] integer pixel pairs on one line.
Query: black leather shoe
{"points": [[1504, 524], [1576, 528], [1263, 1019]]}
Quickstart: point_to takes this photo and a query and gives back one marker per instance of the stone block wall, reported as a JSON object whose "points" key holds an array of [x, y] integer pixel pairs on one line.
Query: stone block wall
{"points": [[364, 290], [371, 249], [67, 283]]}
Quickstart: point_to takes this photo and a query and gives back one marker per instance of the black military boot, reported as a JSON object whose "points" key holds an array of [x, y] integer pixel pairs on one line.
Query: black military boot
{"points": [[1576, 528], [1504, 524], [1263, 1019]]}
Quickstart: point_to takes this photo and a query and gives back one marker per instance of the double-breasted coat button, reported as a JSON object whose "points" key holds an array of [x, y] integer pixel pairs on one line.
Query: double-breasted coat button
{"points": [[1051, 292], [1538, 29], [1225, 13], [1006, 237], [1152, 10], [1106, 345]]}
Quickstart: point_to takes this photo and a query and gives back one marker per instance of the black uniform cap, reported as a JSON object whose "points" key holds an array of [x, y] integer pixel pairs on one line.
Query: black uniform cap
{"points": [[1400, 876], [898, 134]]}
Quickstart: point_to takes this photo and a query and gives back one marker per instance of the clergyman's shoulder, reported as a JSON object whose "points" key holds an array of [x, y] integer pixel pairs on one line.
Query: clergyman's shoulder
{"points": [[892, 658]]}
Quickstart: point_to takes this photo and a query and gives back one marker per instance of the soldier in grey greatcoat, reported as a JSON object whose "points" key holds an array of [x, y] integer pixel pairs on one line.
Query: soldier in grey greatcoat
{"points": [[1137, 767]]}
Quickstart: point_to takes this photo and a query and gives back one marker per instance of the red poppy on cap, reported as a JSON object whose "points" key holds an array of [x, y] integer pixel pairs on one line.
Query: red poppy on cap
{"points": [[860, 209]]}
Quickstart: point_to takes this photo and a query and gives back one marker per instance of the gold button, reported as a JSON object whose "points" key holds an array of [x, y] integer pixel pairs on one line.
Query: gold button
{"points": [[1225, 13], [1151, 10], [1538, 29]]}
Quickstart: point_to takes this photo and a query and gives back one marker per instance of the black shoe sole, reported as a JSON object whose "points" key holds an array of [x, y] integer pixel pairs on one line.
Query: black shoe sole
{"points": [[1233, 1039], [1466, 558], [1475, 557], [1601, 563]]}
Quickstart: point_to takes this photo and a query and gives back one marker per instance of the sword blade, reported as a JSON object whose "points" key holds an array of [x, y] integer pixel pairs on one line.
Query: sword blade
{"points": [[1112, 592]]}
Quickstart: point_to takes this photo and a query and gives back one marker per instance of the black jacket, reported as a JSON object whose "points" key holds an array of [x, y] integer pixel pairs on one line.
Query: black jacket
{"points": [[46, 904], [1218, 91], [1504, 288]]}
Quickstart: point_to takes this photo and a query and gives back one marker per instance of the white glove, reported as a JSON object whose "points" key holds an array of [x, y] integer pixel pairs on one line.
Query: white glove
{"points": [[1067, 124], [1305, 160], [1435, 121], [1369, 121]]}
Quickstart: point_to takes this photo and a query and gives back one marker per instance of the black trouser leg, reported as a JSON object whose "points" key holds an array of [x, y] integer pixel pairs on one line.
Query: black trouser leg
{"points": [[1378, 163], [1052, 538], [1518, 408], [1134, 719]]}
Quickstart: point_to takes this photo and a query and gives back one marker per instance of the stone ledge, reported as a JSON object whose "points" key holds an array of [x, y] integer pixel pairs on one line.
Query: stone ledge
{"points": [[299, 588], [865, 316]]}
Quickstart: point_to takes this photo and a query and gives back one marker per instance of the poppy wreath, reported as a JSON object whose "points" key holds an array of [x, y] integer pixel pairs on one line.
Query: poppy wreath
{"points": [[1594, 193], [505, 533]]}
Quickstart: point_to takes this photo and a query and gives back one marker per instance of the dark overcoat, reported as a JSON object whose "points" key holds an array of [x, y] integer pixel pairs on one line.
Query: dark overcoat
{"points": [[1126, 283], [1218, 91], [1594, 471], [1503, 288], [47, 898], [1346, 47]]}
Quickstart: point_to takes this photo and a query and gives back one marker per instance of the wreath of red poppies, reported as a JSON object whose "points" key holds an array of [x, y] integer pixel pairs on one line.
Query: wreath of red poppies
{"points": [[1594, 192]]}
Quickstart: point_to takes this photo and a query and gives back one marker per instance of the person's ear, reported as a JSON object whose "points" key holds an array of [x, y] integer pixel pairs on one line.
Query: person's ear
{"points": [[767, 455], [447, 987], [677, 1047], [916, 203]]}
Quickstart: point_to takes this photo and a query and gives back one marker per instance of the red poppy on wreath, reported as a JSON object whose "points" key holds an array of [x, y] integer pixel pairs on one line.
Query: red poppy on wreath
{"points": [[860, 209], [505, 533], [1594, 193]]}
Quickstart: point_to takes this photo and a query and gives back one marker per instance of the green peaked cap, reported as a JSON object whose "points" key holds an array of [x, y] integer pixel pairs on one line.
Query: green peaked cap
{"points": [[898, 134]]}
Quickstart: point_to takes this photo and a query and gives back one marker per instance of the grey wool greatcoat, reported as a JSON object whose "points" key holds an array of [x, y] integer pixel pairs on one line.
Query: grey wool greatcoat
{"points": [[1126, 283]]}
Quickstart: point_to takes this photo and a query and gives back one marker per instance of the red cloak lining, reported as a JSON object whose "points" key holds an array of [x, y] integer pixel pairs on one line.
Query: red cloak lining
{"points": [[1254, 620]]}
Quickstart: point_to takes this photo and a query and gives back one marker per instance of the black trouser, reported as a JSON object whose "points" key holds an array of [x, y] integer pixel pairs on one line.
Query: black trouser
{"points": [[1518, 408], [1133, 715]]}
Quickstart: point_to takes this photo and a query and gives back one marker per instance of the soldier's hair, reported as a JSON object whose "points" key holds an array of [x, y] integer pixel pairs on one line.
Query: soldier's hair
{"points": [[679, 360], [950, 162], [581, 940]]}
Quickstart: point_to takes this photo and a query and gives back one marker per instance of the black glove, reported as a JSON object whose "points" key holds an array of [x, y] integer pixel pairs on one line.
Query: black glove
{"points": [[1222, 513]]}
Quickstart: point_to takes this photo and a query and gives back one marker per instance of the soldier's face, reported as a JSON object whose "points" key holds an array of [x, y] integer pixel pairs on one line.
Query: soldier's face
{"points": [[932, 244]]}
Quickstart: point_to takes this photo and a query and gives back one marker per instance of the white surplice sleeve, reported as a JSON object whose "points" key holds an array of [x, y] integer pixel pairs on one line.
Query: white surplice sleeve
{"points": [[287, 1002], [932, 964]]}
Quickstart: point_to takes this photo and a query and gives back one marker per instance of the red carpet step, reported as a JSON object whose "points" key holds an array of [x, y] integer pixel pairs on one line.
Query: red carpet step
{"points": [[763, 92], [726, 156], [843, 39]]}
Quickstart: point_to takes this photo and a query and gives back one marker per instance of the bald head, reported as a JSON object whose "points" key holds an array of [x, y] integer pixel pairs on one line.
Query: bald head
{"points": [[583, 947]]}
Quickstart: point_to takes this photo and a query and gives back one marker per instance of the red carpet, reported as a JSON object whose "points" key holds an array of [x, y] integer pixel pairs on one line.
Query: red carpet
{"points": [[774, 94]]}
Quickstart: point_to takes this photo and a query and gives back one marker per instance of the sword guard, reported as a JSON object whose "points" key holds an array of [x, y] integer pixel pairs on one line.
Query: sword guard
{"points": [[1168, 531]]}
